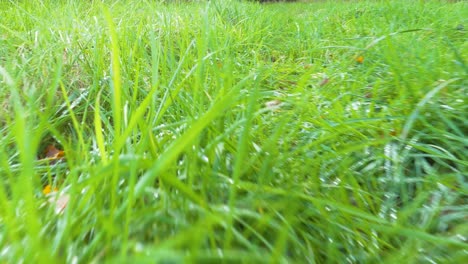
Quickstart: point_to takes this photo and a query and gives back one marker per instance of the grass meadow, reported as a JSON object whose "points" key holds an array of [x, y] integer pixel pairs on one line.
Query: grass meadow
{"points": [[233, 132]]}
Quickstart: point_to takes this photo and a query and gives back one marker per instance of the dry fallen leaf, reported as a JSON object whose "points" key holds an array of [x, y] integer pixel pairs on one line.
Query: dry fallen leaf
{"points": [[53, 153], [272, 105], [324, 82]]}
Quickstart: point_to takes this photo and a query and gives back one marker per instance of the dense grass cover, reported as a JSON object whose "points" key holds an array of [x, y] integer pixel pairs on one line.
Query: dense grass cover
{"points": [[224, 130]]}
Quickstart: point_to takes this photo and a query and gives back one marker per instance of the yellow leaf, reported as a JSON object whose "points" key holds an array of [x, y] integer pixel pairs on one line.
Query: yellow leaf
{"points": [[48, 189]]}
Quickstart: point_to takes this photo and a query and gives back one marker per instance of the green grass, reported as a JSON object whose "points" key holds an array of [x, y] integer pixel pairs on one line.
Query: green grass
{"points": [[175, 154]]}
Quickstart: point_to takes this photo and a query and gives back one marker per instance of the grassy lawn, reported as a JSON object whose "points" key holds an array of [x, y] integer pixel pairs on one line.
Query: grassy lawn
{"points": [[209, 131]]}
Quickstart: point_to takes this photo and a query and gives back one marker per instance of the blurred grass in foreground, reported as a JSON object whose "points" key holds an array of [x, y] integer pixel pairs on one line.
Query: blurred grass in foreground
{"points": [[234, 131]]}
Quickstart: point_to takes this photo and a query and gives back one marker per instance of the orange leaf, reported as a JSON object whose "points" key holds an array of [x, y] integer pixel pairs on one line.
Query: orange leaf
{"points": [[360, 59]]}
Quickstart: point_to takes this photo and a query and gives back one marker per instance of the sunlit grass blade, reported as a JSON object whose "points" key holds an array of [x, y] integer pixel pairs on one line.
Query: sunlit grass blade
{"points": [[98, 129], [116, 84]]}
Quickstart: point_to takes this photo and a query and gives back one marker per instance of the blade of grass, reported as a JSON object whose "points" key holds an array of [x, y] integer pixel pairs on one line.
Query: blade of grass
{"points": [[98, 129], [116, 86], [176, 148], [414, 115]]}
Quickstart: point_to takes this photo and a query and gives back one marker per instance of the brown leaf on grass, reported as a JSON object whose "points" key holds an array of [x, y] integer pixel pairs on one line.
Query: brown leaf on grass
{"points": [[57, 199], [52, 153], [321, 77], [324, 82]]}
